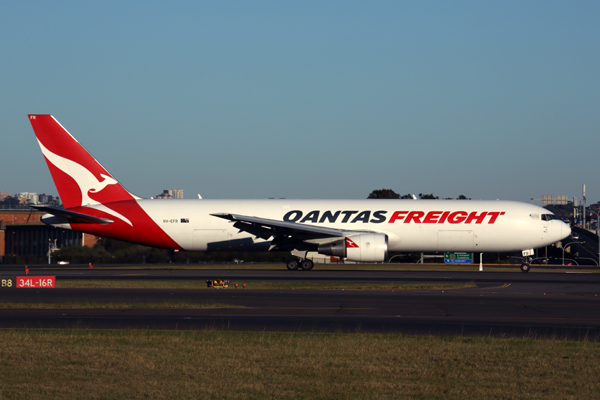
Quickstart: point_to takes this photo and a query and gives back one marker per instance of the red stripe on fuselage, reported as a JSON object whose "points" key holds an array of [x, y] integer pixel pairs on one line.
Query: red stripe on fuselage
{"points": [[144, 229]]}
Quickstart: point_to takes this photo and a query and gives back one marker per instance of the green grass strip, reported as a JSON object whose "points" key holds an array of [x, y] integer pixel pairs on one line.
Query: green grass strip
{"points": [[189, 284], [90, 304]]}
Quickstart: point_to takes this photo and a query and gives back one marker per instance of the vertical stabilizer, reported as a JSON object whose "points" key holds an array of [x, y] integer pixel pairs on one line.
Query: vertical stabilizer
{"points": [[79, 178]]}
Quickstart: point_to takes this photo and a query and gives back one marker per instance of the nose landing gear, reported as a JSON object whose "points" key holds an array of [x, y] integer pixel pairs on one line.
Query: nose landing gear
{"points": [[525, 265]]}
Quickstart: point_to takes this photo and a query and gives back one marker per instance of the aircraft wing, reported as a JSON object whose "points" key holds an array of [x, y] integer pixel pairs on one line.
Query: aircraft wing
{"points": [[266, 228], [74, 216]]}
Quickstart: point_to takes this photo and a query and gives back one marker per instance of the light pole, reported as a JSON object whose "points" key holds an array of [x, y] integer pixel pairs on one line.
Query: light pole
{"points": [[598, 232], [563, 249], [584, 211]]}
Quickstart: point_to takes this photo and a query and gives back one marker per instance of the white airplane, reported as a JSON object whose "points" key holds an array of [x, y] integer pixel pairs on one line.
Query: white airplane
{"points": [[356, 230]]}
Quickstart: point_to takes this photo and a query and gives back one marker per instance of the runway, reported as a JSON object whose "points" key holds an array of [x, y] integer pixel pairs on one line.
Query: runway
{"points": [[503, 304]]}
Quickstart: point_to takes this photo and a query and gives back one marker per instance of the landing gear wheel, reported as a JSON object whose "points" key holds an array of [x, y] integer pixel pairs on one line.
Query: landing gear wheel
{"points": [[525, 267], [292, 265], [307, 264]]}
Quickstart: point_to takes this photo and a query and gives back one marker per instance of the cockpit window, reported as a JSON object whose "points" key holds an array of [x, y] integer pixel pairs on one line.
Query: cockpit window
{"points": [[548, 217]]}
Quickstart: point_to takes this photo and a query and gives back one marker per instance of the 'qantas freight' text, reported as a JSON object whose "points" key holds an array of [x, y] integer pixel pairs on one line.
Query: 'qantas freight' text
{"points": [[377, 217]]}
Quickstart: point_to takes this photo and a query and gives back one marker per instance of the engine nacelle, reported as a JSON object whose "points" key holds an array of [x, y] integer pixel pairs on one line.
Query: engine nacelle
{"points": [[367, 247]]}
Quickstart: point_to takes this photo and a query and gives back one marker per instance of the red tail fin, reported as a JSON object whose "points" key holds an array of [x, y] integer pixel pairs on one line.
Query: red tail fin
{"points": [[79, 178]]}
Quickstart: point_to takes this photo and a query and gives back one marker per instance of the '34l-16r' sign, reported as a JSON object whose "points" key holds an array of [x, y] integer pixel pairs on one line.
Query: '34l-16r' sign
{"points": [[28, 282]]}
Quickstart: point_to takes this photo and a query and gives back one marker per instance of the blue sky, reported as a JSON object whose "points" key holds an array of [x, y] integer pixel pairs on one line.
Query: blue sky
{"points": [[323, 99]]}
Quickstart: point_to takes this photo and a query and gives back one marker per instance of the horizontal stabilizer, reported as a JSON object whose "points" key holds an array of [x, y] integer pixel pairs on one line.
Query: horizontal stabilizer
{"points": [[73, 216]]}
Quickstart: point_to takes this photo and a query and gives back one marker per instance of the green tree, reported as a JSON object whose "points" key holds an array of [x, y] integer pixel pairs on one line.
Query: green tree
{"points": [[383, 194]]}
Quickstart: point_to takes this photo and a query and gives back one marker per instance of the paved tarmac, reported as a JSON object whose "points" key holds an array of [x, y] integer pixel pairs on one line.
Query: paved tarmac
{"points": [[322, 274], [559, 305]]}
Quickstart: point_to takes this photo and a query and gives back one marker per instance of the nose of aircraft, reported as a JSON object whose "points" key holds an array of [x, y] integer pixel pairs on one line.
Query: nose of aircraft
{"points": [[565, 230]]}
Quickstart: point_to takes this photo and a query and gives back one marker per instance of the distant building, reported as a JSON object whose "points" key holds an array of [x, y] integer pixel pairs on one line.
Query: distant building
{"points": [[23, 234], [30, 198], [24, 199], [35, 239], [48, 199], [170, 194]]}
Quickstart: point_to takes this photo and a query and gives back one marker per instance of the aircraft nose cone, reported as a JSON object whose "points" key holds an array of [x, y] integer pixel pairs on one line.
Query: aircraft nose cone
{"points": [[566, 230]]}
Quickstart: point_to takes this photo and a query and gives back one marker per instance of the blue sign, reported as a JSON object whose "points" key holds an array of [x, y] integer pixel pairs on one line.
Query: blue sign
{"points": [[458, 258]]}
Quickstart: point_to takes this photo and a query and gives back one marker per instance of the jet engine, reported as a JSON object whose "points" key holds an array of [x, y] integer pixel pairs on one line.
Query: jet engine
{"points": [[367, 247]]}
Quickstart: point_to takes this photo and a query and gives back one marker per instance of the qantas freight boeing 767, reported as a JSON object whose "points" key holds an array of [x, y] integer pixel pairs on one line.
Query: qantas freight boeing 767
{"points": [[357, 230]]}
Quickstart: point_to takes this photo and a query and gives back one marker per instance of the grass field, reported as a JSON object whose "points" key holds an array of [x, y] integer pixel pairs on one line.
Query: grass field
{"points": [[196, 285], [200, 284], [118, 305], [258, 365]]}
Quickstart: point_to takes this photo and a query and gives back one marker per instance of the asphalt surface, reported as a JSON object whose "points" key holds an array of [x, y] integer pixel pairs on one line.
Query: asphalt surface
{"points": [[561, 305]]}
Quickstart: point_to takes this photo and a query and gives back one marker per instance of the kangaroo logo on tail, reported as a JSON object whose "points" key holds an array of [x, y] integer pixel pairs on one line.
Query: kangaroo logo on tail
{"points": [[86, 181], [51, 132]]}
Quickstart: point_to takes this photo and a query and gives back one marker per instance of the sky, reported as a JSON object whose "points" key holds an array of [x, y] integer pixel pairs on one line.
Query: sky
{"points": [[309, 99]]}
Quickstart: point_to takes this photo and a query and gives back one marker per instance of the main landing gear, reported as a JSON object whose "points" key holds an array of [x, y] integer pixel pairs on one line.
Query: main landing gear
{"points": [[305, 264]]}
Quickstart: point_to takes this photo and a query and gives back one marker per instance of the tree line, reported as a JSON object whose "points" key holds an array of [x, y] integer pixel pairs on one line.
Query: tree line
{"points": [[390, 194]]}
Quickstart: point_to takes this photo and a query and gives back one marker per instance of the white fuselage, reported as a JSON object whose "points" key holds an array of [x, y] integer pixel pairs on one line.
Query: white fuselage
{"points": [[410, 225]]}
